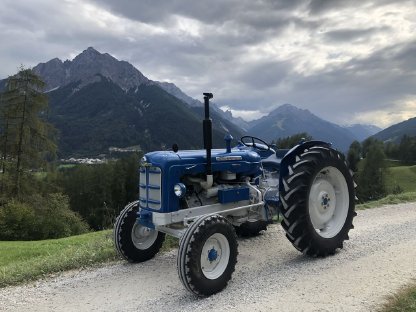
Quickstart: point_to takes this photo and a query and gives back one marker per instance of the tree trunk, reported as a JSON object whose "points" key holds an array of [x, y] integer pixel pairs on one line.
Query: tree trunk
{"points": [[20, 144]]}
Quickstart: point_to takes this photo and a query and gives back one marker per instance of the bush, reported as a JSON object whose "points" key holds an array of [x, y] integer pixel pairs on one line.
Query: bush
{"points": [[17, 221], [397, 189], [37, 217]]}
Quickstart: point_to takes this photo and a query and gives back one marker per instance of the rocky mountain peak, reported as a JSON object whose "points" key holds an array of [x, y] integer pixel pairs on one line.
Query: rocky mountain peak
{"points": [[85, 66], [91, 55], [288, 109]]}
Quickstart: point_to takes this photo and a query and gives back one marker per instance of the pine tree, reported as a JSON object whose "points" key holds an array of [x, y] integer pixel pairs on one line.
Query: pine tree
{"points": [[371, 180], [293, 140], [354, 155], [26, 137]]}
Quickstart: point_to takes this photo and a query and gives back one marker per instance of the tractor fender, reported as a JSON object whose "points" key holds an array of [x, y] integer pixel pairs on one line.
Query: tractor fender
{"points": [[290, 156]]}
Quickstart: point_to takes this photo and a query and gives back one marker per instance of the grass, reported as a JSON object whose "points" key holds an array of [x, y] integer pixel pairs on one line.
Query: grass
{"points": [[404, 176], [22, 261], [403, 301], [396, 175], [389, 200]]}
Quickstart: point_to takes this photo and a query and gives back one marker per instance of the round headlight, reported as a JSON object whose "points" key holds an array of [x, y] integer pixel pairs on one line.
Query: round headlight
{"points": [[180, 190]]}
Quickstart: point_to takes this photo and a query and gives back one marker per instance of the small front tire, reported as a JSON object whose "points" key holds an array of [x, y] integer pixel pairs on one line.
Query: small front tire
{"points": [[135, 242], [207, 255]]}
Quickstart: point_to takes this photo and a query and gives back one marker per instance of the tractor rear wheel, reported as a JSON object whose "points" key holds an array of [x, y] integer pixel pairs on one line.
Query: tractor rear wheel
{"points": [[207, 255], [135, 242], [318, 202]]}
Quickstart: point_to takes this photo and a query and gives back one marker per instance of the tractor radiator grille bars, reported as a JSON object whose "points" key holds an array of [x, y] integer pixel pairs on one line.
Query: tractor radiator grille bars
{"points": [[150, 188]]}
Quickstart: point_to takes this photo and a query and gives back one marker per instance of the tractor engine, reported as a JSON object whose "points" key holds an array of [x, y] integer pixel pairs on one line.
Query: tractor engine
{"points": [[176, 183]]}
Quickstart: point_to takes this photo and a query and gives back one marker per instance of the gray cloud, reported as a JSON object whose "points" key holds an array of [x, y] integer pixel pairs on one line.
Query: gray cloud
{"points": [[210, 12], [353, 34], [318, 7], [336, 58]]}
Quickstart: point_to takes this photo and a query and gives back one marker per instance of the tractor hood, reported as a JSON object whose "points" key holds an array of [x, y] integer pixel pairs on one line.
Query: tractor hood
{"points": [[221, 160]]}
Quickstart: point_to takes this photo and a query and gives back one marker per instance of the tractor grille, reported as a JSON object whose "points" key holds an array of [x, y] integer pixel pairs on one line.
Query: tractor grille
{"points": [[150, 188]]}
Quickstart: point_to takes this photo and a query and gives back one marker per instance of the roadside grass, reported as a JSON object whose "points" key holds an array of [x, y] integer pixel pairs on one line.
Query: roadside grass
{"points": [[396, 175], [402, 301], [391, 199], [22, 261]]}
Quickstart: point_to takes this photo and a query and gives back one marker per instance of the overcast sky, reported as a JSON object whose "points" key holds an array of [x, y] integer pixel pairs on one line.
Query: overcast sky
{"points": [[346, 61]]}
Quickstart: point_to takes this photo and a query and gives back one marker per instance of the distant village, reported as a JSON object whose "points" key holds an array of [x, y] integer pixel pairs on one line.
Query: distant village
{"points": [[102, 158]]}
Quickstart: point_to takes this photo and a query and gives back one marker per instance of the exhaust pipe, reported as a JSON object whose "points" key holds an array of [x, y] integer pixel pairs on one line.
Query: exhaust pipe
{"points": [[207, 132]]}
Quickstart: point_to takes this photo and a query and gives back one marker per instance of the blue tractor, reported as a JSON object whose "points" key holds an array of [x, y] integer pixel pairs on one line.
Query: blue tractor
{"points": [[206, 197]]}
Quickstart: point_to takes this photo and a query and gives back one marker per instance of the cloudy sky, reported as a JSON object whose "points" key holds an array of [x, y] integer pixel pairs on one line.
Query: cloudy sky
{"points": [[346, 61]]}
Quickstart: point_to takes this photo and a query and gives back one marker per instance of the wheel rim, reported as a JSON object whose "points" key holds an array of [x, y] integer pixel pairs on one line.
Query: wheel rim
{"points": [[215, 256], [143, 237], [328, 202]]}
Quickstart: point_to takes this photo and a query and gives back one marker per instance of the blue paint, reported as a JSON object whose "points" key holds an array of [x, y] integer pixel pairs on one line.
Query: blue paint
{"points": [[228, 138], [212, 255], [231, 195]]}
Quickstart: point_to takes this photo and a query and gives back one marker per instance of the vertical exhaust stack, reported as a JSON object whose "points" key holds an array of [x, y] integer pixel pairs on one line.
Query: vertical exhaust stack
{"points": [[207, 131]]}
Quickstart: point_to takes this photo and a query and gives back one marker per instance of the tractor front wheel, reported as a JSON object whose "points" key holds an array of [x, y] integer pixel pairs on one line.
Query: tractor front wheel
{"points": [[318, 201], [135, 242], [207, 255]]}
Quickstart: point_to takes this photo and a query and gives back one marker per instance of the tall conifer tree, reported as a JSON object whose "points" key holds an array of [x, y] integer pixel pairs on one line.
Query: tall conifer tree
{"points": [[26, 137]]}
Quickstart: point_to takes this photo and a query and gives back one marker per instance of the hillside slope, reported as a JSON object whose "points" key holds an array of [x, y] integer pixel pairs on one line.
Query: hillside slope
{"points": [[395, 132]]}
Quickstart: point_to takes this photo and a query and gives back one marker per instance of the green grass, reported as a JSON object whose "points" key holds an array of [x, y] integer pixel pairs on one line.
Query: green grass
{"points": [[393, 163], [66, 166], [22, 261], [389, 200], [403, 301], [404, 176]]}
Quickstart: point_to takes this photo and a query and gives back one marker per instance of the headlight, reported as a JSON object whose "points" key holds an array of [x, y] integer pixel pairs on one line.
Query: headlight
{"points": [[180, 190]]}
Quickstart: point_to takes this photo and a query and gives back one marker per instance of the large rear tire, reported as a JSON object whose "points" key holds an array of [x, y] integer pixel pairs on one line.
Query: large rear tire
{"points": [[207, 255], [135, 242], [318, 202]]}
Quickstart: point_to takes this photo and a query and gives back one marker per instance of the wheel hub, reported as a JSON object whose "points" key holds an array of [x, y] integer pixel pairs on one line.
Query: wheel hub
{"points": [[142, 236], [328, 202], [142, 231], [325, 200], [212, 255]]}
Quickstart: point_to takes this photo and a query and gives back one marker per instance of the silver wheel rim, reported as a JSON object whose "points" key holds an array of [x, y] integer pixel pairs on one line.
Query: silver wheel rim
{"points": [[215, 256], [143, 237], [328, 202]]}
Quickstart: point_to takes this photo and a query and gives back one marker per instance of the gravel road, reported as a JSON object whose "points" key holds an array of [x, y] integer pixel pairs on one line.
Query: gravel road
{"points": [[271, 275]]}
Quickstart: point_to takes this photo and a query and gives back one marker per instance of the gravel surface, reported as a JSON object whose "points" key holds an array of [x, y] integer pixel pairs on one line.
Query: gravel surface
{"points": [[271, 275]]}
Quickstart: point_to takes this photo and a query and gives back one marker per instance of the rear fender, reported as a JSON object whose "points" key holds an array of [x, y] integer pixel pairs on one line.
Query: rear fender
{"points": [[290, 157]]}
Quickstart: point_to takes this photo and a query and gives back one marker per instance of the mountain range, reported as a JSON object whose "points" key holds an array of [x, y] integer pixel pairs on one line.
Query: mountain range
{"points": [[97, 102]]}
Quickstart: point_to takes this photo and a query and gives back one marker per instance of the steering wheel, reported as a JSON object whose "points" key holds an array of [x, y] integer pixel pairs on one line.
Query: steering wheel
{"points": [[253, 140]]}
